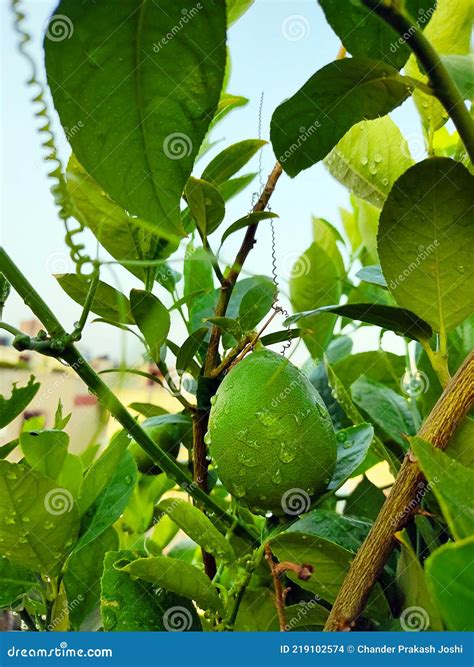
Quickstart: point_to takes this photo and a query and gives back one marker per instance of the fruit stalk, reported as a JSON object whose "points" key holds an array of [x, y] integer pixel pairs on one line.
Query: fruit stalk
{"points": [[438, 428]]}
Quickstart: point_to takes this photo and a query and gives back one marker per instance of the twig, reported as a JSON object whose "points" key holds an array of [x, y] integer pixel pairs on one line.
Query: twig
{"points": [[451, 408], [279, 593]]}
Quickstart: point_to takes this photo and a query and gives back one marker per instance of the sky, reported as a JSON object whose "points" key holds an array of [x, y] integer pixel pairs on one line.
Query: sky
{"points": [[274, 49]]}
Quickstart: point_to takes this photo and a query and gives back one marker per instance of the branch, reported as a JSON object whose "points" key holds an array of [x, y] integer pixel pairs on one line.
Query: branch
{"points": [[451, 408], [107, 398], [279, 592], [443, 86]]}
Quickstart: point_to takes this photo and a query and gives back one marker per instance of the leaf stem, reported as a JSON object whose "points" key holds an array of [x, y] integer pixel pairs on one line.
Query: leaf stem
{"points": [[438, 362], [443, 86]]}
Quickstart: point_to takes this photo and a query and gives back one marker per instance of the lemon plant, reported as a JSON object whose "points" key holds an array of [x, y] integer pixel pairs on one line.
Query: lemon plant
{"points": [[233, 513]]}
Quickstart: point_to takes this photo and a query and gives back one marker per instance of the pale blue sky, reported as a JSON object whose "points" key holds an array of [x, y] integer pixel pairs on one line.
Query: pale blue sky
{"points": [[275, 48]]}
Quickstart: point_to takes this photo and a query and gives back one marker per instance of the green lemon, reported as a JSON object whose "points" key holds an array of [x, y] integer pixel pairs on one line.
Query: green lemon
{"points": [[167, 431], [271, 436]]}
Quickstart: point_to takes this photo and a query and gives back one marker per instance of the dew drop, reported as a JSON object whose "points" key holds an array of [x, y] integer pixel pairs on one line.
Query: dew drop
{"points": [[341, 436], [425, 104], [348, 444], [239, 491], [213, 399], [364, 160], [287, 452], [128, 479], [385, 181], [11, 474], [48, 525], [322, 410], [9, 520], [460, 268], [373, 168], [207, 438], [276, 476], [246, 461], [378, 157]]}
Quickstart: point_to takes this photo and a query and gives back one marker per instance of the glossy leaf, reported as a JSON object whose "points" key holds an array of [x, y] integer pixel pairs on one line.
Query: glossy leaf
{"points": [[281, 336], [38, 520], [231, 160], [400, 320], [370, 158], [250, 219], [108, 302], [363, 33], [20, 398], [372, 275], [176, 576], [255, 304], [152, 318], [71, 473], [234, 186], [330, 564], [136, 606], [450, 571], [139, 133], [82, 576], [308, 125], [15, 581], [426, 242], [205, 204], [451, 483], [147, 409], [45, 451], [385, 407], [365, 501], [228, 325], [460, 446], [378, 365], [314, 282], [198, 527], [352, 446], [189, 348], [347, 532], [461, 70], [111, 502], [236, 8], [325, 236]]}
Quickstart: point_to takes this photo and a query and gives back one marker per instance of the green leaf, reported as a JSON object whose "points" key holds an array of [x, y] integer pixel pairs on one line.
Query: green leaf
{"points": [[330, 565], [400, 320], [372, 275], [257, 612], [128, 605], [363, 33], [111, 502], [70, 476], [38, 520], [426, 242], [250, 219], [198, 527], [164, 531], [314, 282], [178, 577], [189, 348], [205, 203], [231, 160], [236, 8], [102, 470], [461, 70], [123, 236], [147, 409], [234, 186], [108, 302], [308, 125], [325, 236], [281, 336], [347, 532], [451, 483], [228, 325], [377, 365], [460, 446], [450, 572], [365, 501], [448, 32], [15, 581], [412, 583], [370, 158], [352, 446], [386, 408], [139, 132], [255, 304], [20, 397], [45, 451], [82, 576], [152, 318]]}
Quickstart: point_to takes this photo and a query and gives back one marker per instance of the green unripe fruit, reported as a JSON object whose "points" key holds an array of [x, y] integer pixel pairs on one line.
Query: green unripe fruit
{"points": [[271, 436], [167, 431]]}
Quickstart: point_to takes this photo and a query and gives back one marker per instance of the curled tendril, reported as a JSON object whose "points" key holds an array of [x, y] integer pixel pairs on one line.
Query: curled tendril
{"points": [[59, 187]]}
